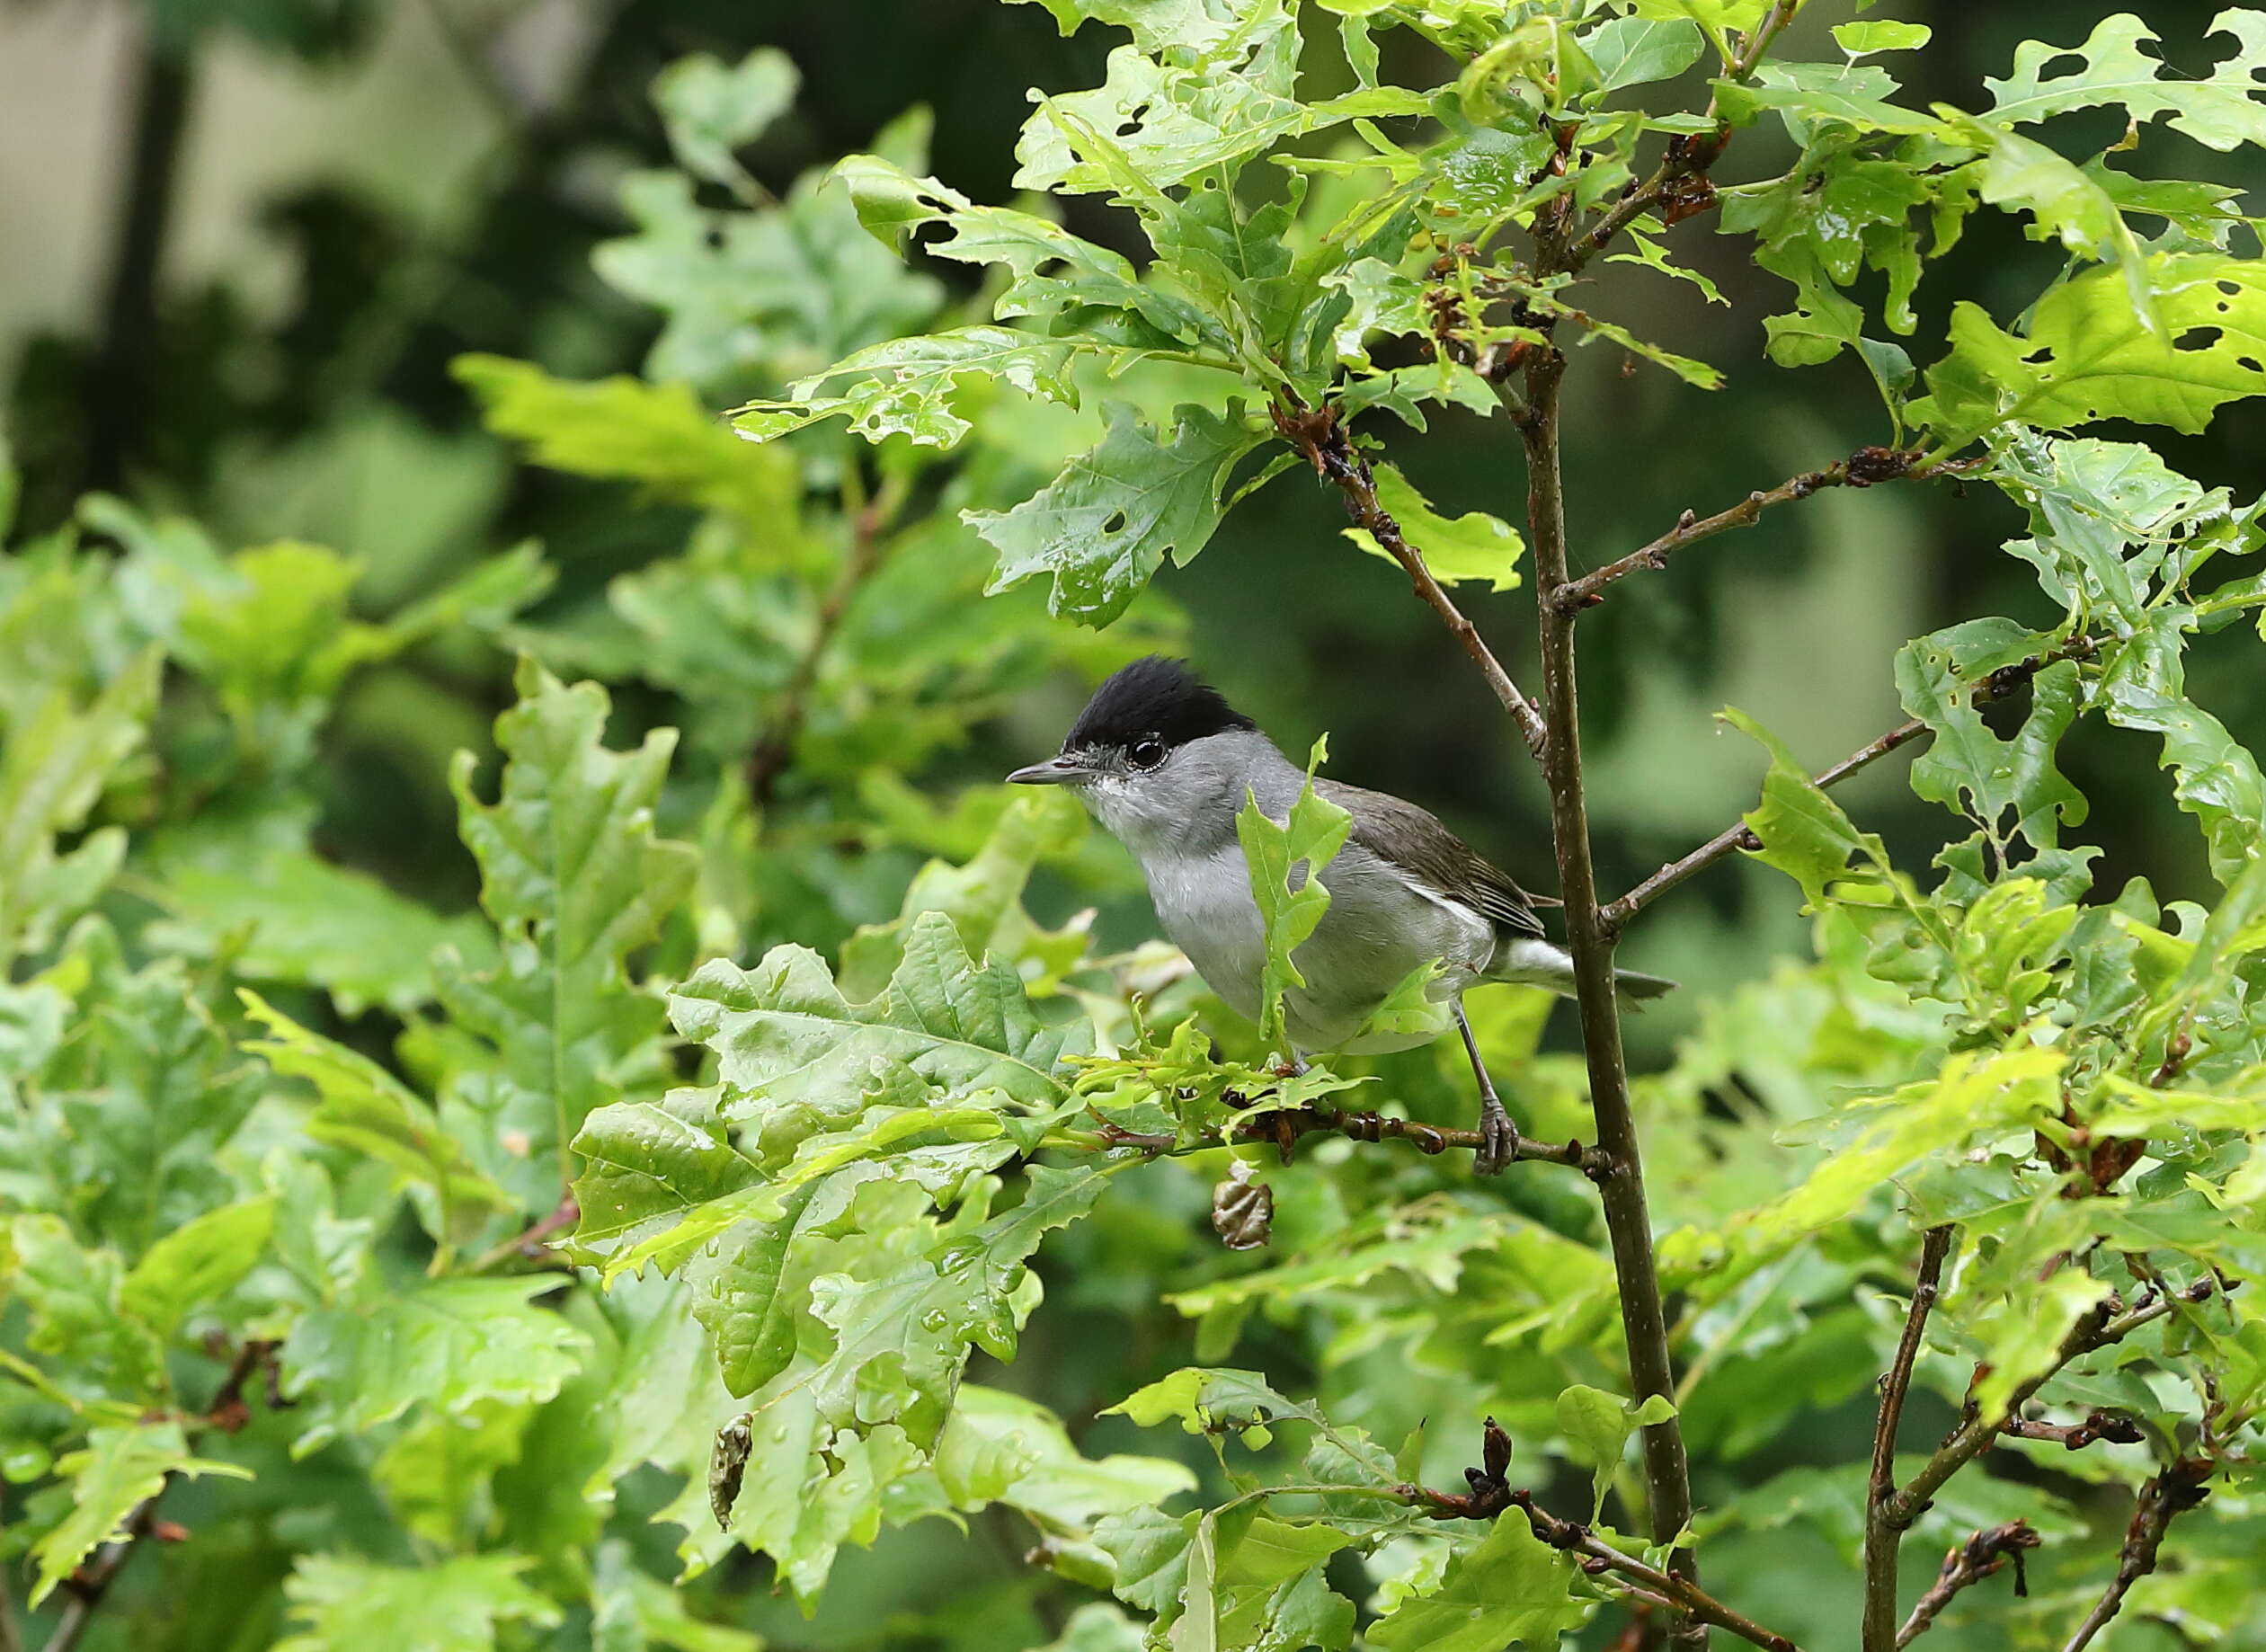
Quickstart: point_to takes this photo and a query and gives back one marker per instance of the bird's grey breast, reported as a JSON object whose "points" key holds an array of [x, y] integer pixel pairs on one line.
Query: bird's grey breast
{"points": [[1204, 903]]}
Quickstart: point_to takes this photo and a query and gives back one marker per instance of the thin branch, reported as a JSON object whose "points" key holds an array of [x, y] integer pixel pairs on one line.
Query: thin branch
{"points": [[2109, 1425], [772, 753], [1881, 1539], [1996, 685], [1489, 1496], [1984, 1555], [1729, 843], [1680, 1595], [1286, 1127], [1316, 433], [532, 1243], [91, 1582], [1866, 467], [2104, 1325], [1622, 1196], [2168, 1493], [1679, 185]]}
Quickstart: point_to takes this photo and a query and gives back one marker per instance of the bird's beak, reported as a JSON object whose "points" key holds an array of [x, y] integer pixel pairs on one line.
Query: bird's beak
{"points": [[1055, 771]]}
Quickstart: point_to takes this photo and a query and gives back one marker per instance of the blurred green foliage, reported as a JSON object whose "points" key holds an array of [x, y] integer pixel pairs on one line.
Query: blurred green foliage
{"points": [[315, 981]]}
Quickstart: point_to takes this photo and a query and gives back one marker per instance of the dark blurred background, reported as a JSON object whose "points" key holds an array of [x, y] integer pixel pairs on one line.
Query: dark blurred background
{"points": [[245, 237]]}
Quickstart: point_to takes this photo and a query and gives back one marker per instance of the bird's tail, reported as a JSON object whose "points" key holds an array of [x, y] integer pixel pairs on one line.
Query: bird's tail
{"points": [[1545, 964]]}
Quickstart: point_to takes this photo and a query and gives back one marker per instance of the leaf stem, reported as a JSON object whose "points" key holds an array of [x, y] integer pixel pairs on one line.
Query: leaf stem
{"points": [[1880, 1633]]}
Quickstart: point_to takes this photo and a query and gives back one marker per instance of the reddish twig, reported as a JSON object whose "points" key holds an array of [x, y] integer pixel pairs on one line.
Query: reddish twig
{"points": [[2107, 1426], [1996, 685], [1491, 1493], [532, 1243], [1286, 1128], [1866, 467], [2108, 1322], [1880, 1633], [229, 1411], [1982, 1555], [1316, 433], [2171, 1492]]}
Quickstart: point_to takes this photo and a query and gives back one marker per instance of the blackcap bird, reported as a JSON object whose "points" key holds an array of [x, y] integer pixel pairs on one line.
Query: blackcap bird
{"points": [[1165, 764]]}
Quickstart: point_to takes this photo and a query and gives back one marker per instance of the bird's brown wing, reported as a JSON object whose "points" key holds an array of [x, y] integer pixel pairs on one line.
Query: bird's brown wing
{"points": [[1413, 839]]}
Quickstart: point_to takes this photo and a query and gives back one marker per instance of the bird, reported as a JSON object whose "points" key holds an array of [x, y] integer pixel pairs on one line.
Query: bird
{"points": [[1163, 760]]}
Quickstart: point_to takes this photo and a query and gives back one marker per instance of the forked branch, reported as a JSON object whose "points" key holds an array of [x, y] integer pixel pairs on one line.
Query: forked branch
{"points": [[1491, 1494], [1880, 1538]]}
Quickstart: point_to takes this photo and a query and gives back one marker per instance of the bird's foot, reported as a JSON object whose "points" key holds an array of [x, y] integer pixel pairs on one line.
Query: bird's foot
{"points": [[1499, 1138]]}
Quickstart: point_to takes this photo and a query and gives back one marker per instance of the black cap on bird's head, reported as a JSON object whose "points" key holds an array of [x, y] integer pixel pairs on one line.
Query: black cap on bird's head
{"points": [[1146, 711]]}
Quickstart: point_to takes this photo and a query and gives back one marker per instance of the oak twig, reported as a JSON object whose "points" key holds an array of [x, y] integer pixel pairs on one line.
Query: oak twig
{"points": [[91, 1582], [1982, 1555], [2110, 1322], [2108, 1426], [1286, 1127], [1880, 1538], [1679, 185], [1491, 1493], [530, 1243], [2170, 1492], [1316, 433], [1866, 467], [1996, 685], [773, 752], [1621, 1194]]}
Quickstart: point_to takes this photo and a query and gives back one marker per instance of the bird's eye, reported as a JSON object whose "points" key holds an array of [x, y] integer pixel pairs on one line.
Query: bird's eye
{"points": [[1146, 752]]}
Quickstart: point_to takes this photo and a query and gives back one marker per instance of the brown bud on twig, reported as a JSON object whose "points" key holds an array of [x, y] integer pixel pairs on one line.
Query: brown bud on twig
{"points": [[728, 1464], [1243, 1209]]}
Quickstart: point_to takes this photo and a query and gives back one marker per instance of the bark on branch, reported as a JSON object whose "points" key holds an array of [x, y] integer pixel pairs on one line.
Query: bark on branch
{"points": [[1880, 1634], [2170, 1492], [1316, 432], [1621, 1194], [2108, 1323], [1984, 1555], [1287, 1128], [1491, 1493]]}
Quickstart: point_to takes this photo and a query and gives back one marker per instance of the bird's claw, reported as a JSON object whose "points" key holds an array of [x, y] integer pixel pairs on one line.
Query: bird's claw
{"points": [[1499, 1138]]}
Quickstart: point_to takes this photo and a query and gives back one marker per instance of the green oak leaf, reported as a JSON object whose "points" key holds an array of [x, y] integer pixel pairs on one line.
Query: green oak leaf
{"points": [[119, 1470], [797, 1057], [450, 1345], [574, 880], [711, 109], [53, 771], [1511, 1589], [1103, 527], [1286, 859], [462, 1603], [1472, 546]]}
